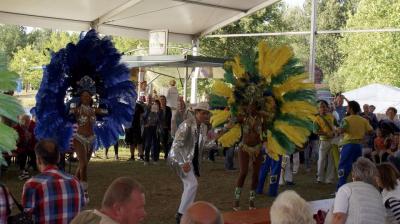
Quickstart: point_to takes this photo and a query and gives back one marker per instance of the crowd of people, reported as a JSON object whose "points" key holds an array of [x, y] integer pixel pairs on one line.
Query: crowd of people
{"points": [[346, 141]]}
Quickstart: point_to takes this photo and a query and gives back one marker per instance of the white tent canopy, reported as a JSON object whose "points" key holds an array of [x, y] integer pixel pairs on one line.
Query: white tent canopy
{"points": [[185, 19], [381, 96]]}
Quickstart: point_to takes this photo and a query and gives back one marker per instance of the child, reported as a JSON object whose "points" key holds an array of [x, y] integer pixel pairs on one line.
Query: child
{"points": [[380, 145]]}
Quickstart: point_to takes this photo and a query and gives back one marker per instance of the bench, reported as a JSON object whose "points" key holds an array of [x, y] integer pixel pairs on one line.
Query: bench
{"points": [[256, 216]]}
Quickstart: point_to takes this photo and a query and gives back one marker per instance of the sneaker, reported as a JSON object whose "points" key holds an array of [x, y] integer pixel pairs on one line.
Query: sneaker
{"points": [[86, 194], [24, 176], [236, 206], [290, 183], [178, 218], [251, 205]]}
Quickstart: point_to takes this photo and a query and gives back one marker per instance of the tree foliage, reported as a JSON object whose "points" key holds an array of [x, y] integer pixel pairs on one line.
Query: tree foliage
{"points": [[371, 57], [27, 62], [265, 20]]}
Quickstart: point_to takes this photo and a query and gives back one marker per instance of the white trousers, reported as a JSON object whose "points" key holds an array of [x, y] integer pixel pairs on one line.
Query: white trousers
{"points": [[190, 184], [296, 162], [326, 168], [286, 170]]}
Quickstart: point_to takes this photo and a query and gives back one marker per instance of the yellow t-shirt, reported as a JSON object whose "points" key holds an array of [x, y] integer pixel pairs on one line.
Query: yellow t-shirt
{"points": [[355, 128], [324, 124]]}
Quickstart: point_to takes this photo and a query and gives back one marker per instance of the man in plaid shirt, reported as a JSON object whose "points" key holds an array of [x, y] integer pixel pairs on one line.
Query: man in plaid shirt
{"points": [[52, 196]]}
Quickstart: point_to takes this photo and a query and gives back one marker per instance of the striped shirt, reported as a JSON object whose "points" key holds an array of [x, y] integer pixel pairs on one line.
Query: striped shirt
{"points": [[53, 197], [4, 195], [391, 200]]}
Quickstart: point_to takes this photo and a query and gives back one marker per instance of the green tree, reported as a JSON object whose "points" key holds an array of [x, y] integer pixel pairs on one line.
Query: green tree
{"points": [[125, 45], [265, 20], [27, 62], [371, 57], [58, 40], [12, 38]]}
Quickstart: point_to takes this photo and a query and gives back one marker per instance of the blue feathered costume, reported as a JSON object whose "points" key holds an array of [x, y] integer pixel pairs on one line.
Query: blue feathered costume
{"points": [[98, 59]]}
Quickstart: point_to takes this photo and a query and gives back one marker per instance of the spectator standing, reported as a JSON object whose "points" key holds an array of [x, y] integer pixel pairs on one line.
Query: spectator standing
{"points": [[151, 133], [391, 114], [123, 203], [133, 135], [172, 96], [370, 116], [179, 116], [52, 196], [339, 108], [166, 115], [185, 155], [354, 128], [359, 201], [388, 180], [116, 146], [25, 145]]}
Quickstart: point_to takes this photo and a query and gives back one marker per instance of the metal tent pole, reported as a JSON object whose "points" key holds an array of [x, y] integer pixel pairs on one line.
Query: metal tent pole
{"points": [[185, 85], [311, 68], [194, 77]]}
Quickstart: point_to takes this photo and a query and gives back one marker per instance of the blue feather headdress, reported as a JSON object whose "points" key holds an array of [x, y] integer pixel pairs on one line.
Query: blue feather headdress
{"points": [[92, 65]]}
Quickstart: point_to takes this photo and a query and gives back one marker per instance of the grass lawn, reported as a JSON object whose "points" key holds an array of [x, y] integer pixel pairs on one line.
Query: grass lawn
{"points": [[163, 188]]}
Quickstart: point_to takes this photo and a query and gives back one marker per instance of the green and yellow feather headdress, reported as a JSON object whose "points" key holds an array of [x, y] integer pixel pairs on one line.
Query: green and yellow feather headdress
{"points": [[276, 81]]}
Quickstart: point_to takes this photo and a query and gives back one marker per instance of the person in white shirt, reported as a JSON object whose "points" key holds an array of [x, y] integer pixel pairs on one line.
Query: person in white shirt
{"points": [[360, 200]]}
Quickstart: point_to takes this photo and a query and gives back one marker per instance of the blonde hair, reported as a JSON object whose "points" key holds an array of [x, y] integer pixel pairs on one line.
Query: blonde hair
{"points": [[290, 208]]}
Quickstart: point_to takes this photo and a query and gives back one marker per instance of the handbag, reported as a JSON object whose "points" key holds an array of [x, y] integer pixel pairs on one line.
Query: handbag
{"points": [[20, 218]]}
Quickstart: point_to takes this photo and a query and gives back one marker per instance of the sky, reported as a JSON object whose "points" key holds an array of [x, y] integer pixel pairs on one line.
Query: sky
{"points": [[294, 2]]}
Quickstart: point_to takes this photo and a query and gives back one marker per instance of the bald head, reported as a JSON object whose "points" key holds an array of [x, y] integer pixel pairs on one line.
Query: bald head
{"points": [[202, 212]]}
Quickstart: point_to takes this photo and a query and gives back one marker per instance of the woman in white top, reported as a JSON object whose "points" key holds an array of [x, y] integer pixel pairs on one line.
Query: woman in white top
{"points": [[359, 201], [389, 181]]}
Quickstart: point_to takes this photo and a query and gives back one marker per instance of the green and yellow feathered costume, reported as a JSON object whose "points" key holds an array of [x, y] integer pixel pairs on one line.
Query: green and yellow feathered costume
{"points": [[277, 82]]}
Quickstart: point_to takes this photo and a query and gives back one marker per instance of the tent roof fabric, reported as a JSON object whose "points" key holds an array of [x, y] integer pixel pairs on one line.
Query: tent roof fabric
{"points": [[381, 96], [185, 19]]}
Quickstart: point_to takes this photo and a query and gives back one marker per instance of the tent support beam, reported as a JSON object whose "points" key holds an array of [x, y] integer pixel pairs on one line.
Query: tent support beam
{"points": [[193, 89], [237, 17], [211, 5], [185, 85], [105, 18], [43, 21], [292, 33]]}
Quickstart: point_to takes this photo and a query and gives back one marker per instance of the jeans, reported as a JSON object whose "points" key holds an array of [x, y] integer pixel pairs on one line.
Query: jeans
{"points": [[229, 155], [348, 155], [274, 167]]}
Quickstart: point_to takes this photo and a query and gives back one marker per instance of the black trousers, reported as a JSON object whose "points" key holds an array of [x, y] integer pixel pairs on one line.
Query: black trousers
{"points": [[21, 160], [165, 143], [151, 143], [116, 146]]}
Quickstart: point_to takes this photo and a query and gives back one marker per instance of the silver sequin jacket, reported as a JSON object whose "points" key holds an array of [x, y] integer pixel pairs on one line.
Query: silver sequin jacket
{"points": [[182, 150]]}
